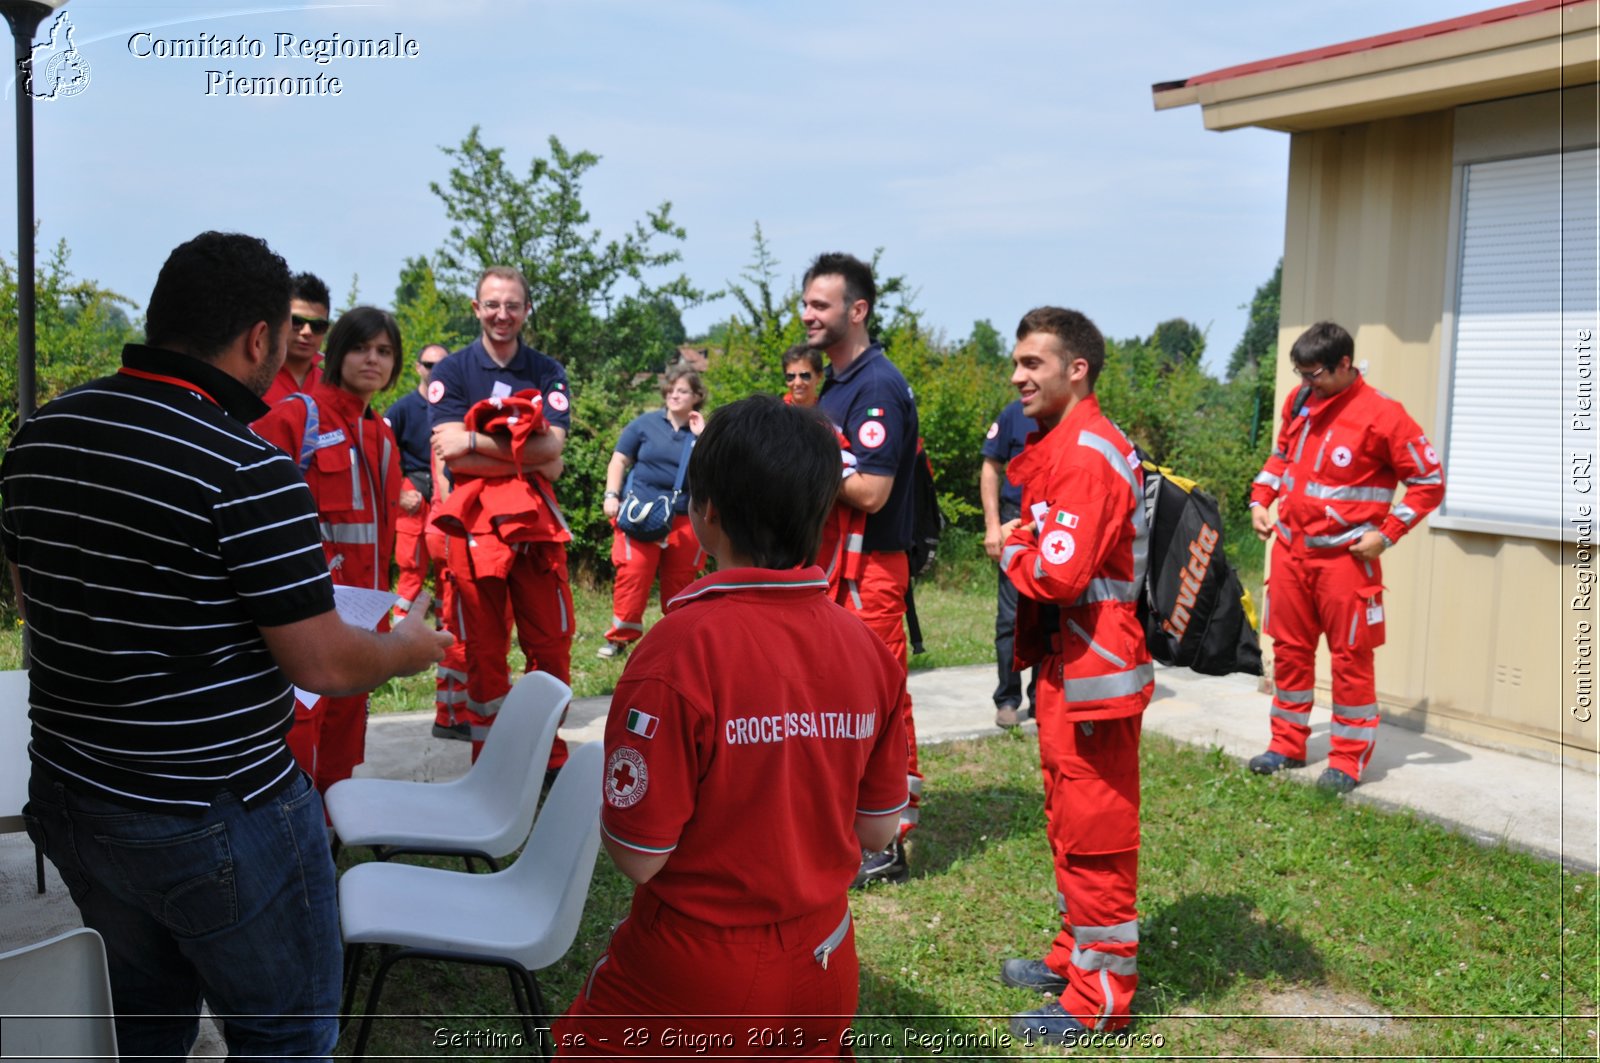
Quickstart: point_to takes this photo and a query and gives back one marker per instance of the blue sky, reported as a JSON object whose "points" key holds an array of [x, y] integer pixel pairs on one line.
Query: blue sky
{"points": [[1002, 156]]}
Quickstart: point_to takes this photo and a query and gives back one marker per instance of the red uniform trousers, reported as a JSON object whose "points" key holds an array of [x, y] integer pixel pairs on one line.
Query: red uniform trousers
{"points": [[534, 595], [1091, 807], [1332, 594], [879, 599], [678, 557], [738, 991], [305, 735], [412, 556]]}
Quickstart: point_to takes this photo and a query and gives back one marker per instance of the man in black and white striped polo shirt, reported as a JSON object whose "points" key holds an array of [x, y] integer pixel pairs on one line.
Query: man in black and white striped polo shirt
{"points": [[172, 580]]}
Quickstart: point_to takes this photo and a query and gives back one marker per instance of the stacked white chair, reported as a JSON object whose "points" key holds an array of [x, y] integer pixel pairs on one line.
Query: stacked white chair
{"points": [[522, 919], [486, 813], [55, 999]]}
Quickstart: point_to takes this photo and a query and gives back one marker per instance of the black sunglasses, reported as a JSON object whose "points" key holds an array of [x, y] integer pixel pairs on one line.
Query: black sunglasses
{"points": [[319, 325], [429, 365], [791, 377]]}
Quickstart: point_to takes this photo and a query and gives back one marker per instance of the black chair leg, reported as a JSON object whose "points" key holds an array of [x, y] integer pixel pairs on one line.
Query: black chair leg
{"points": [[390, 957], [543, 1045], [38, 868], [353, 954]]}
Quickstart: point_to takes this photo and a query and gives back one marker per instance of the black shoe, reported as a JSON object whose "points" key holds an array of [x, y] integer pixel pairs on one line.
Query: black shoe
{"points": [[460, 731], [1049, 1025], [1270, 763], [1032, 974], [1335, 780], [887, 865]]}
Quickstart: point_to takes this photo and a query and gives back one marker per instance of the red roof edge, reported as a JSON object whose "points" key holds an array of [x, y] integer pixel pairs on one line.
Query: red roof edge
{"points": [[1383, 40]]}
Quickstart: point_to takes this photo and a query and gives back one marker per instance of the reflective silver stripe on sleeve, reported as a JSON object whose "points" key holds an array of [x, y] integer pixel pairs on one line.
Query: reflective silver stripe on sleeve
{"points": [[1141, 539], [1416, 459], [1288, 482], [1419, 481], [1283, 532], [361, 534], [1354, 620], [855, 593], [1300, 447], [1104, 448], [356, 464], [1038, 568], [913, 785], [1294, 697], [1008, 555], [1404, 513], [1089, 960], [1356, 712], [1355, 734], [1077, 629], [1295, 716], [1101, 589], [1265, 477], [1349, 494], [1106, 687], [1122, 933], [1322, 448], [1342, 539], [856, 543]]}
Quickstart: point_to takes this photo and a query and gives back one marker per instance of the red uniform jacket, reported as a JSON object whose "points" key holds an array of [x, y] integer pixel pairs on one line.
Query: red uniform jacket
{"points": [[1336, 465], [354, 476], [1082, 548], [501, 512]]}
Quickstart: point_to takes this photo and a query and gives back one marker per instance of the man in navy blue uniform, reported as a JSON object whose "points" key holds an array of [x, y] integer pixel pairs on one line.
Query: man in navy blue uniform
{"points": [[871, 405], [1002, 503], [535, 592]]}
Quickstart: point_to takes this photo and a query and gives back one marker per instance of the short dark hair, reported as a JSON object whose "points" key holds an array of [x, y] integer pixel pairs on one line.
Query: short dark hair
{"points": [[354, 327], [505, 273], [308, 288], [858, 282], [1076, 332], [1325, 344], [214, 288], [803, 352], [689, 375], [772, 471]]}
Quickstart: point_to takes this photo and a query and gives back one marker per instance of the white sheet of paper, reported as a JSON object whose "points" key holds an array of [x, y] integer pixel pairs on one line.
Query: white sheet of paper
{"points": [[500, 390], [358, 607]]}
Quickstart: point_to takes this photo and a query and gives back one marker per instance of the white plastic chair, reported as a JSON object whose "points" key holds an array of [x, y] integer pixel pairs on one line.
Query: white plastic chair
{"points": [[55, 999], [486, 813], [522, 919]]}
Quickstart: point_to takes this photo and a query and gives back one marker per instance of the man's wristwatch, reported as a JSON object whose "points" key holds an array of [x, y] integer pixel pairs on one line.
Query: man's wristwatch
{"points": [[612, 494]]}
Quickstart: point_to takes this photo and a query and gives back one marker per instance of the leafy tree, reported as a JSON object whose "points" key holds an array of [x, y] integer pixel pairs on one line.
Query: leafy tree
{"points": [[1179, 342], [79, 330], [1258, 346], [539, 224], [986, 340]]}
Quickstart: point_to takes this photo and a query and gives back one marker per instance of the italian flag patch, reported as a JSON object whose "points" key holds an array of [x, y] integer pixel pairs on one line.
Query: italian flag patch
{"points": [[642, 723], [876, 411]]}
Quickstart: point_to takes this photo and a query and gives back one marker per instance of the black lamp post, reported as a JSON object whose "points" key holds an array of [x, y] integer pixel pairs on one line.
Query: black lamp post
{"points": [[25, 16]]}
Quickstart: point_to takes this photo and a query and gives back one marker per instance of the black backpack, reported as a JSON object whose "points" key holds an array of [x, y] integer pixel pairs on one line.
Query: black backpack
{"points": [[1195, 612], [927, 524]]}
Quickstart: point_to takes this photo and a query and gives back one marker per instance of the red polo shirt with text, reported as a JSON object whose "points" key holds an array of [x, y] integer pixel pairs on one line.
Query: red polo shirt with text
{"points": [[752, 725]]}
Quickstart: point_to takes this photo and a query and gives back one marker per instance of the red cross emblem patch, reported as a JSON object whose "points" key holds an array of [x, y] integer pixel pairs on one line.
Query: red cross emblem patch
{"points": [[872, 434], [558, 401], [627, 778], [435, 390], [1057, 547], [1342, 456]]}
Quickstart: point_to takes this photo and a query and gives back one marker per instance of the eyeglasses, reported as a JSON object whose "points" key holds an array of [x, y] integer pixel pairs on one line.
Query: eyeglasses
{"points": [[495, 308], [1309, 377], [318, 325], [792, 377]]}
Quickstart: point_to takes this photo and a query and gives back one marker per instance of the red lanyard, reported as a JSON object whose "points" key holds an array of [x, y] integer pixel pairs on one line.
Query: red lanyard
{"points": [[142, 375]]}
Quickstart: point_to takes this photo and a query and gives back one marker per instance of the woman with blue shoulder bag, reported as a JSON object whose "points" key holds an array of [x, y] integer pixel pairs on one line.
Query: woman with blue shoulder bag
{"points": [[649, 510]]}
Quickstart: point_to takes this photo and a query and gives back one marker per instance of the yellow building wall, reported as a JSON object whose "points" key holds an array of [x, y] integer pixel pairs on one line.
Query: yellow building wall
{"points": [[1473, 619]]}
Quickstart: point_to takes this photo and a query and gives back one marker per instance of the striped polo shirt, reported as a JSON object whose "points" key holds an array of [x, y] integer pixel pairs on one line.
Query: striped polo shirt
{"points": [[155, 535]]}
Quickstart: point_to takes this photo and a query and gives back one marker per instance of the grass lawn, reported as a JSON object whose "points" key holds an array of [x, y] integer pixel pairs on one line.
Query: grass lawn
{"points": [[1276, 921]]}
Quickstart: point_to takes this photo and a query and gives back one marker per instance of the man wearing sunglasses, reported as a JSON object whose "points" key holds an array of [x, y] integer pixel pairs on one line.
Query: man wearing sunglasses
{"points": [[308, 324], [1343, 447]]}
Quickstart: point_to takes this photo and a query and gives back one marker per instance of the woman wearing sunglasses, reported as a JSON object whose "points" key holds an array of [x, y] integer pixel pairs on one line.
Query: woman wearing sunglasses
{"points": [[351, 462], [802, 375]]}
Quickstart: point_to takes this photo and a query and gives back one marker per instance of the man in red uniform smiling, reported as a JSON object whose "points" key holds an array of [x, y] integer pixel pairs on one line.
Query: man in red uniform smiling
{"points": [[739, 798], [1077, 557]]}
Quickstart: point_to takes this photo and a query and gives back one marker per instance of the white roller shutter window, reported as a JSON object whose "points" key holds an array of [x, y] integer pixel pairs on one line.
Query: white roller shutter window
{"points": [[1527, 285]]}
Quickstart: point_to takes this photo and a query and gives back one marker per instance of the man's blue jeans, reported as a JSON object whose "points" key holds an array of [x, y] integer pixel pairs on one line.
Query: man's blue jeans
{"points": [[237, 906]]}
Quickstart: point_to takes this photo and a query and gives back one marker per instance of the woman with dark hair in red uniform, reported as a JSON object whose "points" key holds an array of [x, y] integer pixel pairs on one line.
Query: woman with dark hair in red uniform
{"points": [[351, 462]]}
